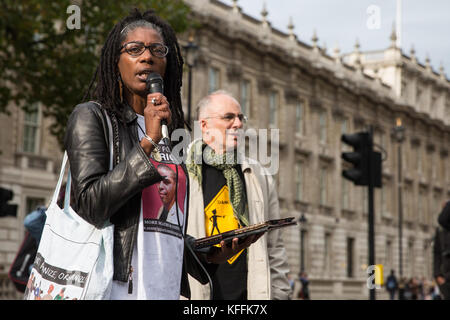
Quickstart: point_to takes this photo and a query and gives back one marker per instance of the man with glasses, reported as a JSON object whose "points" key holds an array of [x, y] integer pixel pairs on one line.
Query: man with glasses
{"points": [[228, 192]]}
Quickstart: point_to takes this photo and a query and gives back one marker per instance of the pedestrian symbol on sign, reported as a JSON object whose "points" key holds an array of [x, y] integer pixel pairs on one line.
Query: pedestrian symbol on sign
{"points": [[375, 280]]}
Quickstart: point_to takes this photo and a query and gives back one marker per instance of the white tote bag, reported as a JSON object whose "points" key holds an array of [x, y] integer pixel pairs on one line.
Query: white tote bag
{"points": [[74, 260]]}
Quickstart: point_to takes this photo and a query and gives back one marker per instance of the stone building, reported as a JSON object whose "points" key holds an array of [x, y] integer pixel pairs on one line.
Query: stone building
{"points": [[313, 98], [30, 159]]}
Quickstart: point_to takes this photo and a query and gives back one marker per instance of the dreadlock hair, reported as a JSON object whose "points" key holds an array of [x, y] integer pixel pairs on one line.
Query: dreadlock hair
{"points": [[106, 76]]}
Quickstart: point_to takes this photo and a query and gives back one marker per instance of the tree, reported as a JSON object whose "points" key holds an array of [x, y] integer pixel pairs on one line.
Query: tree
{"points": [[49, 49]]}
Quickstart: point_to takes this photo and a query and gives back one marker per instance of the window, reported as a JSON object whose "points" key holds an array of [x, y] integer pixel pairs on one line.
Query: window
{"points": [[245, 97], [443, 169], [428, 255], [383, 205], [31, 130], [388, 197], [423, 210], [273, 109], [303, 249], [410, 259], [406, 202], [344, 130], [327, 253], [364, 201], [323, 184], [323, 127], [214, 79], [406, 162], [389, 260], [429, 164], [434, 166], [435, 206], [299, 116], [298, 181], [383, 140], [420, 207], [33, 203], [447, 170], [419, 160], [350, 257], [344, 194], [384, 145]]}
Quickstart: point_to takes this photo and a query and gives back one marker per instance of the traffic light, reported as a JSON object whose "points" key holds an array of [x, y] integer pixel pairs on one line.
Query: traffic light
{"points": [[366, 162], [359, 174], [5, 208], [366, 171], [375, 169]]}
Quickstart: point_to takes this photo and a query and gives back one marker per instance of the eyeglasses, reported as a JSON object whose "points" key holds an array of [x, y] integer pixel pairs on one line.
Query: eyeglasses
{"points": [[135, 48], [229, 117]]}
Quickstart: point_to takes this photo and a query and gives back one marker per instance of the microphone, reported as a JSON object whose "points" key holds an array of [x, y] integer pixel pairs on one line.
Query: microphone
{"points": [[155, 83]]}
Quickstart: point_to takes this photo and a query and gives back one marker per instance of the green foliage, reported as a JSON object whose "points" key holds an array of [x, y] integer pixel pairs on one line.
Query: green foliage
{"points": [[42, 60]]}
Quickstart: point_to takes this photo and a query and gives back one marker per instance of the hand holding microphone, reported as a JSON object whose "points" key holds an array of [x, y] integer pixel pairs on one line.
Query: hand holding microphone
{"points": [[157, 112]]}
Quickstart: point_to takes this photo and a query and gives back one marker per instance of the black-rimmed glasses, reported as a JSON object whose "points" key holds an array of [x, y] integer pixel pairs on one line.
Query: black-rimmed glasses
{"points": [[135, 48]]}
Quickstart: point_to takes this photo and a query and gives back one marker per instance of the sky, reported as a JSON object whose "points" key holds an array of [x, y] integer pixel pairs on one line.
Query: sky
{"points": [[425, 24]]}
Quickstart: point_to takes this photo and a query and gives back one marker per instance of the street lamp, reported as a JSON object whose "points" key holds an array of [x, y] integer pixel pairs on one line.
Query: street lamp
{"points": [[191, 49], [302, 220], [399, 135]]}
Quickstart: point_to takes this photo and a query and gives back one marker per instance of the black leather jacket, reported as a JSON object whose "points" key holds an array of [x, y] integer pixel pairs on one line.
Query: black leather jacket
{"points": [[116, 195]]}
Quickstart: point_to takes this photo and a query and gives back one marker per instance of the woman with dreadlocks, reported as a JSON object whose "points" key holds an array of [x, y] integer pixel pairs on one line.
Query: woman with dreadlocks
{"points": [[150, 260]]}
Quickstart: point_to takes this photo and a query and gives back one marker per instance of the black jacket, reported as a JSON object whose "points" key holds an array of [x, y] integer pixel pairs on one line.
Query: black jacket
{"points": [[115, 195]]}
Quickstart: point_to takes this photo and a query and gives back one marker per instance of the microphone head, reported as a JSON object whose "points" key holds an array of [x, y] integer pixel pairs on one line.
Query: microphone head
{"points": [[154, 83]]}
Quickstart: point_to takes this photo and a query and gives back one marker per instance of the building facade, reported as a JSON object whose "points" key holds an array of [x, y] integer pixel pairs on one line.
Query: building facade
{"points": [[312, 98], [30, 160]]}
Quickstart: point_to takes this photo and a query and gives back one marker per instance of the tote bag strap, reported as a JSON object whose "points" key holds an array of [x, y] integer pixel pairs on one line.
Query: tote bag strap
{"points": [[111, 158], [60, 179]]}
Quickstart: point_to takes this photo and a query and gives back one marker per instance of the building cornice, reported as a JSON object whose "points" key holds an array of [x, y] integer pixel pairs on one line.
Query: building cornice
{"points": [[233, 25]]}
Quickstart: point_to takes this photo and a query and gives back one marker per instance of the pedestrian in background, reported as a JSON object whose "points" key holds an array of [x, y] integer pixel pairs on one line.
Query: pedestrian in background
{"points": [[401, 288], [291, 282], [422, 284], [414, 288], [392, 285], [304, 292]]}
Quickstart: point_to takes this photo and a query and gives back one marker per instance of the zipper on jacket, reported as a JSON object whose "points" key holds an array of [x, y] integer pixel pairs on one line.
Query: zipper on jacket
{"points": [[130, 257], [130, 281]]}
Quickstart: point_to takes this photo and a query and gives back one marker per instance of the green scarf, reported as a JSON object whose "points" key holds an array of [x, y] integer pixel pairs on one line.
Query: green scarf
{"points": [[226, 163]]}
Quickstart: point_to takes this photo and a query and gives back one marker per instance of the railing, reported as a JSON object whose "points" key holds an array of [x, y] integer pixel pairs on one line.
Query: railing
{"points": [[32, 161]]}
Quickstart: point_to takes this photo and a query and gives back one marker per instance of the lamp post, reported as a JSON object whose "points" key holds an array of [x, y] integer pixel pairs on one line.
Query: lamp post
{"points": [[399, 134], [191, 49], [302, 221]]}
